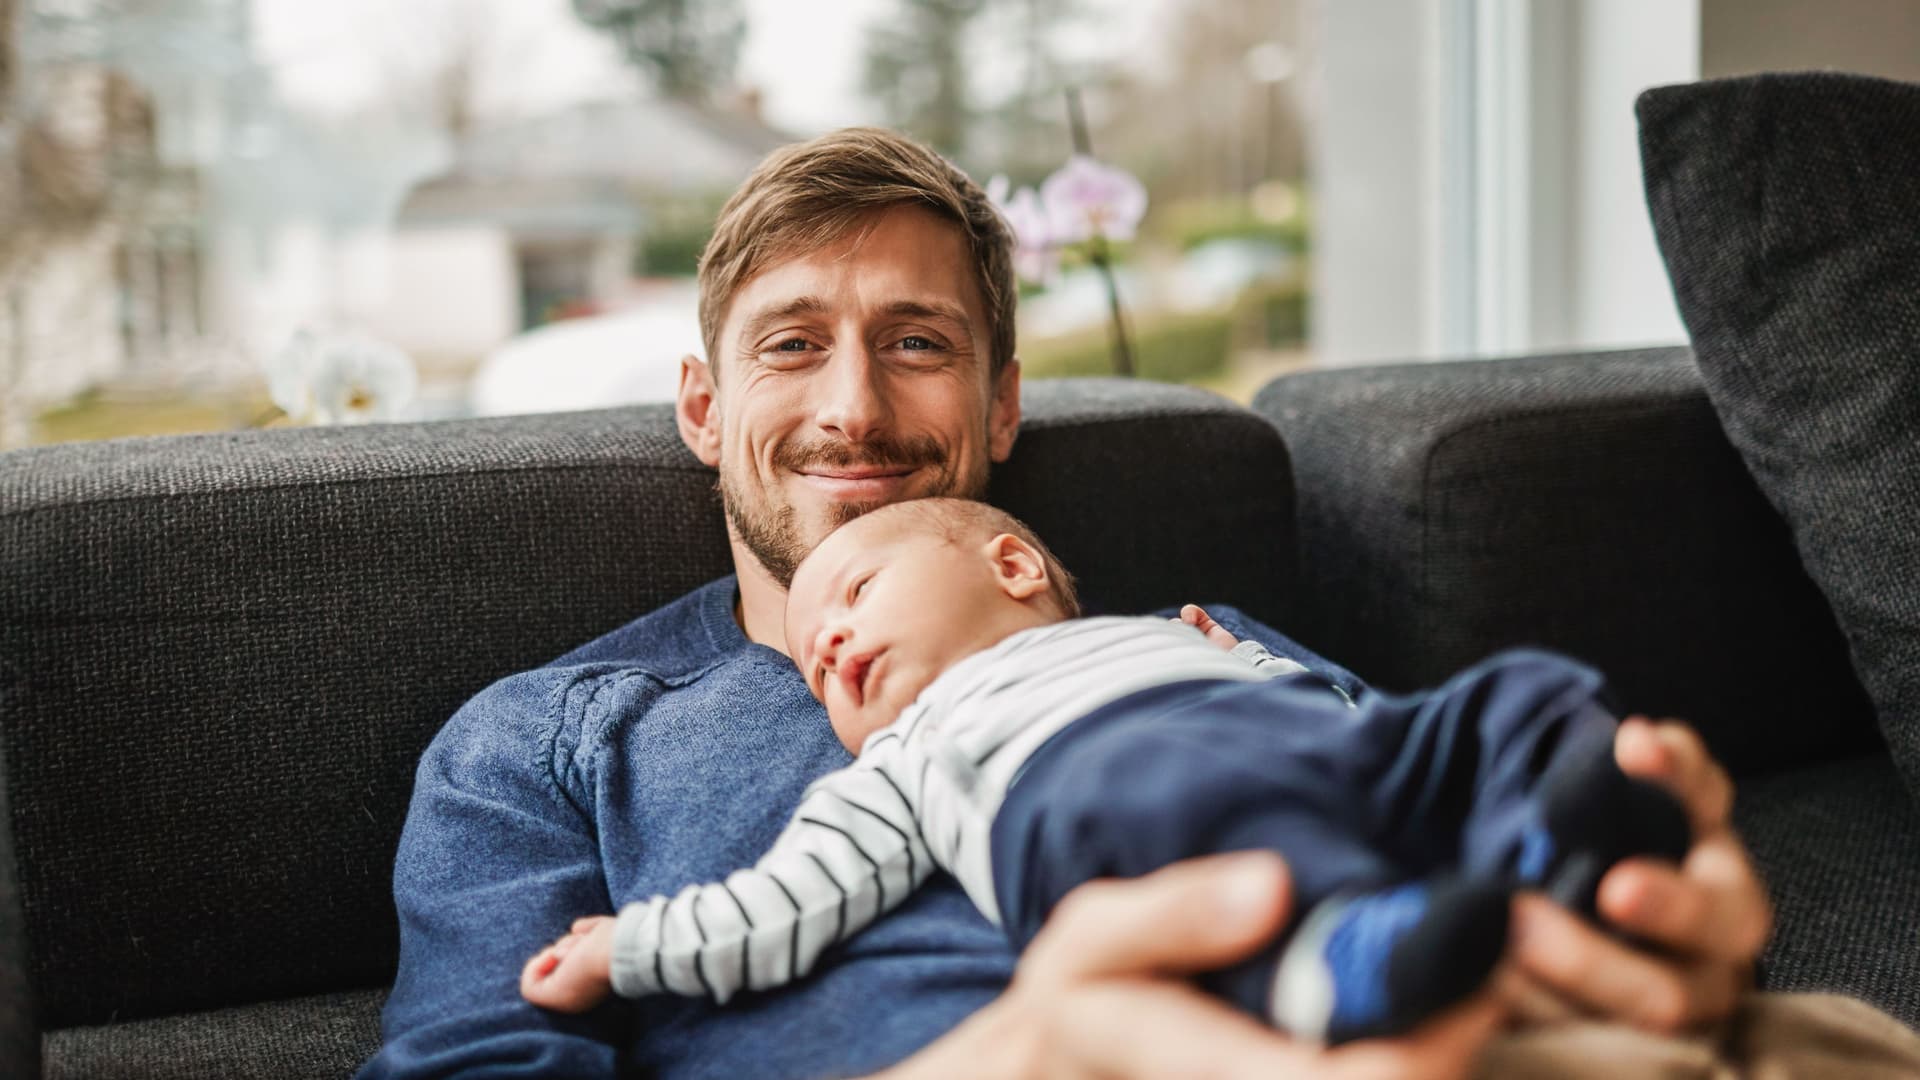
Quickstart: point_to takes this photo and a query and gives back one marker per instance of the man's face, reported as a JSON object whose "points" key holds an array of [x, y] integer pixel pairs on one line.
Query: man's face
{"points": [[848, 378]]}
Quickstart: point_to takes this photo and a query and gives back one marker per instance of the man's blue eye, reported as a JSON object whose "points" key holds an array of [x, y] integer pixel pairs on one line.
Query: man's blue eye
{"points": [[799, 343], [924, 343]]}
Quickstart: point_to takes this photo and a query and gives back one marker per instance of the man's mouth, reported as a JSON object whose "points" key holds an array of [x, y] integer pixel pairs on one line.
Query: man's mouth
{"points": [[858, 483]]}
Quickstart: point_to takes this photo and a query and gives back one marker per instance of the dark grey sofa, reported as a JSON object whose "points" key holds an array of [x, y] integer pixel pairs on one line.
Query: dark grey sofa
{"points": [[220, 656]]}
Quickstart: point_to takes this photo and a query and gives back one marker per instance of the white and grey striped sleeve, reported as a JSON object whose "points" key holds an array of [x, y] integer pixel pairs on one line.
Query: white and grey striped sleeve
{"points": [[852, 852]]}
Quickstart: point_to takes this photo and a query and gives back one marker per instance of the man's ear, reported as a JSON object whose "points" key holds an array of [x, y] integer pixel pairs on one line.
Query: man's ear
{"points": [[1003, 412], [1017, 567], [697, 410]]}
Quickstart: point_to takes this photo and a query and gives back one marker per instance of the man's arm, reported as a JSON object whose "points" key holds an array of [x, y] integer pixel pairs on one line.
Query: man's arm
{"points": [[1101, 992], [494, 861]]}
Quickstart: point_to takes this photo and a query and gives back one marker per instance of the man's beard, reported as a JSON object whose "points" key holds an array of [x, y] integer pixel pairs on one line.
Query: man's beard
{"points": [[773, 531]]}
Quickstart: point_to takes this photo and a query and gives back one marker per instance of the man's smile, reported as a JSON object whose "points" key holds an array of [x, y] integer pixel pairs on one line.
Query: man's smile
{"points": [[858, 483]]}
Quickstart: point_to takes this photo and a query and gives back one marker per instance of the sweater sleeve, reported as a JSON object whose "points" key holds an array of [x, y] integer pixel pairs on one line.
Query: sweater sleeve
{"points": [[494, 862], [852, 852]]}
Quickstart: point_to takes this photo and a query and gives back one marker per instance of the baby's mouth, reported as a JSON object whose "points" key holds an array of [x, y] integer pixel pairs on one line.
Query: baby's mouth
{"points": [[856, 675]]}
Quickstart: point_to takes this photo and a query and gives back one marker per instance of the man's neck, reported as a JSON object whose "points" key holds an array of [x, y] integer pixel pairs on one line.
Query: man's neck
{"points": [[762, 607]]}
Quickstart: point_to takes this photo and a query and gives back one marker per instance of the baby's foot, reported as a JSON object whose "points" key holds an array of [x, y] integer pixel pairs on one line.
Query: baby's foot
{"points": [[1592, 815], [1379, 963], [573, 974]]}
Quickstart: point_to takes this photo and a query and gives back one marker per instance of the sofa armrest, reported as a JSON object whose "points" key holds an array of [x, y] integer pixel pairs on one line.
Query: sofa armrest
{"points": [[1584, 502], [19, 1026]]}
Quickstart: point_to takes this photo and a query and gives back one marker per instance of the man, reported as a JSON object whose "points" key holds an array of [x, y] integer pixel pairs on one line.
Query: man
{"points": [[857, 306]]}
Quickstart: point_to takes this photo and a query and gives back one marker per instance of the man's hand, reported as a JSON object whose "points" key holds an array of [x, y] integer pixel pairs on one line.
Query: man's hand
{"points": [[1100, 992], [574, 973], [1710, 916]]}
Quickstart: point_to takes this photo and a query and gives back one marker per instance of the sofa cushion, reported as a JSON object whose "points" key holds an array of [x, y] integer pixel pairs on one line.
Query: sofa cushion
{"points": [[221, 656], [1786, 208], [323, 1037], [1835, 844]]}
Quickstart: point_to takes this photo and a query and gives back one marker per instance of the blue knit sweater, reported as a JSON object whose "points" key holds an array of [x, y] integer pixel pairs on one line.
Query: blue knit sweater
{"points": [[667, 752]]}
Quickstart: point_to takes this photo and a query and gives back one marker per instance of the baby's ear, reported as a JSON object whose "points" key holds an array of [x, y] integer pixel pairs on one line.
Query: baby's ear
{"points": [[1017, 567]]}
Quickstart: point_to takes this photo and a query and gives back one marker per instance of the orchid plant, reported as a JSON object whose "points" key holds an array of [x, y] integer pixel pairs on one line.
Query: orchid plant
{"points": [[340, 378], [1083, 205]]}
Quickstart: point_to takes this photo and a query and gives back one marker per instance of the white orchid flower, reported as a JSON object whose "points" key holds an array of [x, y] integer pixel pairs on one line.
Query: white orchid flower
{"points": [[341, 379], [1084, 199]]}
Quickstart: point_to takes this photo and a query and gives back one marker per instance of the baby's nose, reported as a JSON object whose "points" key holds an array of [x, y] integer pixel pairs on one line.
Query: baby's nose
{"points": [[828, 643]]}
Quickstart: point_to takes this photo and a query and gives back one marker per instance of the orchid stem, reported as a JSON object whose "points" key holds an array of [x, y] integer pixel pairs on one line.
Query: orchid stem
{"points": [[1097, 247]]}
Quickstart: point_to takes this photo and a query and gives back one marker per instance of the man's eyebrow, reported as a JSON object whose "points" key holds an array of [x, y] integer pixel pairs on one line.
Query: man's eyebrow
{"points": [[923, 309], [762, 320]]}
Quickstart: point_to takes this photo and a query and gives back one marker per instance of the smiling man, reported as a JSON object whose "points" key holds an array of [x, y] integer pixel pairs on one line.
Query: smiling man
{"points": [[857, 307]]}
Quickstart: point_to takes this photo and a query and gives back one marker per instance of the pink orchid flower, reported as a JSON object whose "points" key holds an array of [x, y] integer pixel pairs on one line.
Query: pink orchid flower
{"points": [[1084, 199], [1036, 253]]}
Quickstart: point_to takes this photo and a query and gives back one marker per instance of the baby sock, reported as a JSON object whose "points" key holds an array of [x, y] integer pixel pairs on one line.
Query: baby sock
{"points": [[1379, 963], [1592, 815]]}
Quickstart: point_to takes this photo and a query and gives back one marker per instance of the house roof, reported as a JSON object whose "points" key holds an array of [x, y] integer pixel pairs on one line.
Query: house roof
{"points": [[587, 168]]}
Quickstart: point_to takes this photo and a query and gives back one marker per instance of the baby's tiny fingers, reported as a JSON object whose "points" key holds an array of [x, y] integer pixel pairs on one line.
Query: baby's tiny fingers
{"points": [[585, 923]]}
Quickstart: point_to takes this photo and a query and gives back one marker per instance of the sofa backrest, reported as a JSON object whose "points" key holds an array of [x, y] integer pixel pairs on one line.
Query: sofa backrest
{"points": [[221, 656], [1589, 503]]}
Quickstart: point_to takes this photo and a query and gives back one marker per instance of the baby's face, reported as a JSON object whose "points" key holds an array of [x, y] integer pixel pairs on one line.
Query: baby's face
{"points": [[880, 609]]}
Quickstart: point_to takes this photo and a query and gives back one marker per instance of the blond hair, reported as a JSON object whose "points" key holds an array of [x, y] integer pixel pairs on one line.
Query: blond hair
{"points": [[805, 196]]}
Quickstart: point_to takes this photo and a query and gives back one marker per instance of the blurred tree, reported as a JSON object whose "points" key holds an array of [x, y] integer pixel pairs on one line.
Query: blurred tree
{"points": [[1030, 124], [917, 66], [689, 48]]}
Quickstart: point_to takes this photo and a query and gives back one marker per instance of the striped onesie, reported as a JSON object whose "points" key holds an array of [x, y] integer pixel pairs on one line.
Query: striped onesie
{"points": [[922, 795]]}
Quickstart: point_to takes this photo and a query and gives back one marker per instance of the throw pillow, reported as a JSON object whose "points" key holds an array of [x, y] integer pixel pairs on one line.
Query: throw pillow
{"points": [[1788, 210]]}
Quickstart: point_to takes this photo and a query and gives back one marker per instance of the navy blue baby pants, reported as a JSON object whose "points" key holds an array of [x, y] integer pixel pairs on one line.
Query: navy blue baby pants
{"points": [[1355, 798]]}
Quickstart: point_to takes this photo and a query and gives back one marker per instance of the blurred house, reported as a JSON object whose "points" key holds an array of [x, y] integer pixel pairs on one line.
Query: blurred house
{"points": [[102, 204], [543, 217]]}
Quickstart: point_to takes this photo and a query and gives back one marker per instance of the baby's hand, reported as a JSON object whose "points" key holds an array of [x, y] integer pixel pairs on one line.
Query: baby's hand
{"points": [[1196, 616], [575, 973]]}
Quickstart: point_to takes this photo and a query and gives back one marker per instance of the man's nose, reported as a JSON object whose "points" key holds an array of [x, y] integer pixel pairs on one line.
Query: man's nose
{"points": [[853, 394]]}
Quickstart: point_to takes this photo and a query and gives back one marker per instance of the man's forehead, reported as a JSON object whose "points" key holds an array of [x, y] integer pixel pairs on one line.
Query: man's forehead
{"points": [[900, 256]]}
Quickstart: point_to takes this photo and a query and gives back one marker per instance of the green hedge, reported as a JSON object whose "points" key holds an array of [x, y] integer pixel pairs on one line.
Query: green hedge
{"points": [[1169, 348], [1179, 348]]}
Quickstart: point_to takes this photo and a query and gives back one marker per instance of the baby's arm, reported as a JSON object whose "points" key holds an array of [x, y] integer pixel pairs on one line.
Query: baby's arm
{"points": [[852, 852]]}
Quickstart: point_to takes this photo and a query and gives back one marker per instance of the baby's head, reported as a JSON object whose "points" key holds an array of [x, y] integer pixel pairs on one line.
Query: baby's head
{"points": [[893, 598]]}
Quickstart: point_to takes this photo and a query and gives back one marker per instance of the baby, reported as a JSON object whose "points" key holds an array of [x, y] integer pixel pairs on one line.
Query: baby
{"points": [[1026, 750]]}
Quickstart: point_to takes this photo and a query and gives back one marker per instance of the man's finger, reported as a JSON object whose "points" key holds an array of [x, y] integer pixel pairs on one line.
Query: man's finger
{"points": [[1195, 915], [1671, 753], [1712, 908], [1573, 959]]}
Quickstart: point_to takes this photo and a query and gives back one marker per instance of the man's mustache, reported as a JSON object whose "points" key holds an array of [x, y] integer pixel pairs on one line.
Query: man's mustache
{"points": [[881, 452]]}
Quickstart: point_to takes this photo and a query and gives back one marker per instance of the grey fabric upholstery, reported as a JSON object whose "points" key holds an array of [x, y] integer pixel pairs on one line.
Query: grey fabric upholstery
{"points": [[1590, 503], [221, 656], [19, 1024], [323, 1037], [1785, 208], [1587, 503], [1839, 847]]}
